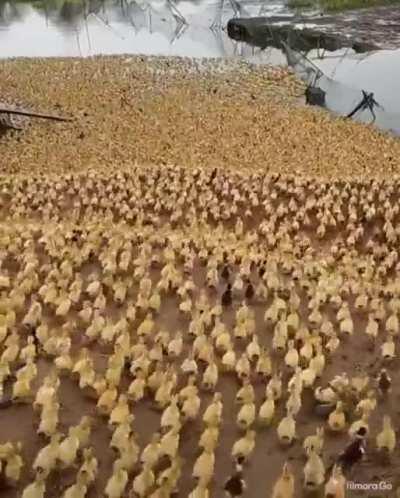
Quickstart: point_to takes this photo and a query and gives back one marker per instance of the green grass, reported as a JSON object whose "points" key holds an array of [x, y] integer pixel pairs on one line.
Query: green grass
{"points": [[337, 5]]}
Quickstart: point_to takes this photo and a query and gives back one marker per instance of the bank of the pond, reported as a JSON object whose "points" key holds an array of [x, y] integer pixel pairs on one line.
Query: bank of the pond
{"points": [[141, 110]]}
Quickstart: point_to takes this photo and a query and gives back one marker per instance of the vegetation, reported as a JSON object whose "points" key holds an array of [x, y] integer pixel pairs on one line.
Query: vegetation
{"points": [[335, 5]]}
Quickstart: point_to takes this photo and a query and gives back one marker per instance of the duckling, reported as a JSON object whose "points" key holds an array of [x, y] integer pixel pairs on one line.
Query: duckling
{"points": [[210, 376], [189, 365], [49, 417], [213, 413], [293, 404], [143, 482], [175, 346], [120, 411], [253, 349], [274, 386], [287, 429], [229, 360], [292, 356], [309, 375], [203, 468], [146, 327], [191, 407], [246, 416], [13, 466], [314, 442], [284, 486], [244, 447], [89, 466], [264, 364], [388, 348], [152, 452], [47, 457], [372, 327], [79, 489], [171, 415], [243, 367], [314, 471], [37, 488], [336, 485], [122, 433], [107, 400], [200, 491], [326, 396], [246, 393], [136, 389], [267, 410], [116, 484], [169, 443], [68, 450], [209, 438], [386, 439], [366, 405], [337, 419]]}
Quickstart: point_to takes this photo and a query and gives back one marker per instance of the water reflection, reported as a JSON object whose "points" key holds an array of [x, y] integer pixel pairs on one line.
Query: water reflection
{"points": [[90, 27]]}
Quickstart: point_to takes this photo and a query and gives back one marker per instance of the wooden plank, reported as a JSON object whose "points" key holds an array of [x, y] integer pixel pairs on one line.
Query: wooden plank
{"points": [[30, 114]]}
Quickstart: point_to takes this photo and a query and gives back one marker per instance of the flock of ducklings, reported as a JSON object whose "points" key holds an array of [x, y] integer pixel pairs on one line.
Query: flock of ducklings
{"points": [[269, 279]]}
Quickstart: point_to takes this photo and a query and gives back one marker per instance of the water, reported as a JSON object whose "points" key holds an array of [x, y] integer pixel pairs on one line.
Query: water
{"points": [[83, 28]]}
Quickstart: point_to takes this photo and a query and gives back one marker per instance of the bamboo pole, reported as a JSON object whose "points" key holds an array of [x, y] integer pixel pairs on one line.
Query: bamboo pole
{"points": [[39, 115]]}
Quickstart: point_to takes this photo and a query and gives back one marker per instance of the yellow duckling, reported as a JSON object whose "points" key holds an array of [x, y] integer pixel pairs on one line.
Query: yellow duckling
{"points": [[386, 439], [210, 376], [293, 404], [68, 450], [29, 351], [163, 393], [314, 471], [366, 405], [267, 410], [152, 452], [284, 486], [253, 349], [107, 400], [346, 326], [171, 415], [213, 413], [122, 433], [129, 454], [79, 489], [246, 393], [120, 411], [82, 431], [116, 484], [314, 442], [175, 346], [169, 443], [244, 447], [337, 419], [392, 324], [327, 395], [264, 364], [372, 327], [388, 348], [243, 367], [46, 458], [89, 466], [47, 390], [137, 387], [37, 488], [200, 491], [292, 356], [49, 417], [287, 429], [274, 386], [146, 327], [203, 468], [13, 466], [309, 375], [336, 485], [191, 407], [229, 360], [246, 416], [209, 438], [143, 482]]}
